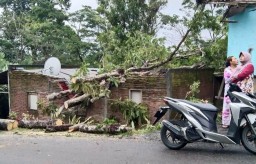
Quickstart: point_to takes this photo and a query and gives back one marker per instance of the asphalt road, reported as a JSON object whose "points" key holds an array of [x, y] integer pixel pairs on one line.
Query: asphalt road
{"points": [[90, 149]]}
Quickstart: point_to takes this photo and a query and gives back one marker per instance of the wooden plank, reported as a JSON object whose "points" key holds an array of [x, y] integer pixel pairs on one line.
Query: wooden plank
{"points": [[220, 90]]}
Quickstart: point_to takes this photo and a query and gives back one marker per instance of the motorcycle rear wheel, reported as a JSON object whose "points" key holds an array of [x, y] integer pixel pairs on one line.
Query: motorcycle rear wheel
{"points": [[248, 140], [170, 140]]}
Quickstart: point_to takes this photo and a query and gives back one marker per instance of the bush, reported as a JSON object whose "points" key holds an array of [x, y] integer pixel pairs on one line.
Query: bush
{"points": [[13, 115], [134, 114]]}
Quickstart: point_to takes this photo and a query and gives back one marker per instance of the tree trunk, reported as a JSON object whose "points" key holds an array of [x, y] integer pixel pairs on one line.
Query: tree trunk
{"points": [[58, 122], [75, 127], [60, 94], [75, 101], [57, 128], [58, 112], [35, 124], [99, 129], [6, 124], [98, 77], [92, 129]]}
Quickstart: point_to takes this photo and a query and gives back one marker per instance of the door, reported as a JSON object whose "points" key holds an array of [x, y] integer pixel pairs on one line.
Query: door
{"points": [[4, 105]]}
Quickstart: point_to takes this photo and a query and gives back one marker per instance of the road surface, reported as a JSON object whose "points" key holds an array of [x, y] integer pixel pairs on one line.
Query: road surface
{"points": [[94, 149]]}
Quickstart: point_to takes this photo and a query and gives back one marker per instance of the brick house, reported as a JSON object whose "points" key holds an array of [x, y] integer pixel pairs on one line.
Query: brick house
{"points": [[151, 89], [28, 87]]}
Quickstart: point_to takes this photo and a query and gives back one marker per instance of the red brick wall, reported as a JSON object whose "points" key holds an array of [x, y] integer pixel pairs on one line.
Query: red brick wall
{"points": [[20, 83], [174, 83], [96, 110], [181, 79], [153, 89]]}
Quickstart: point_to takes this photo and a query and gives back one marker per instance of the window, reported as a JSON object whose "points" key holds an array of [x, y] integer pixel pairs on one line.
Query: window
{"points": [[136, 96], [32, 101]]}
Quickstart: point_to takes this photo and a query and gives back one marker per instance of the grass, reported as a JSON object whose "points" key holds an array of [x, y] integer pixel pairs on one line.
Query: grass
{"points": [[218, 120], [148, 128]]}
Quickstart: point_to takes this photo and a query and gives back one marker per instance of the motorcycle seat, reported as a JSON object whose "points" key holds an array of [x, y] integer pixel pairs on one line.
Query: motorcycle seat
{"points": [[202, 106]]}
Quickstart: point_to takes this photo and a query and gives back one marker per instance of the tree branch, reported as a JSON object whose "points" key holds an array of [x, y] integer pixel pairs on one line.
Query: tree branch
{"points": [[100, 77], [172, 53]]}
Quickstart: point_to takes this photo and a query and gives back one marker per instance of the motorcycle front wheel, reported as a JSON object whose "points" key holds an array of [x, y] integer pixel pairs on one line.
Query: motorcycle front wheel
{"points": [[170, 140], [248, 139]]}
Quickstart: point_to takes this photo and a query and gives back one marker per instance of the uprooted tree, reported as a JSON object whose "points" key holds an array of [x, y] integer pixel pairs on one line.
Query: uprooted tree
{"points": [[126, 47], [143, 54]]}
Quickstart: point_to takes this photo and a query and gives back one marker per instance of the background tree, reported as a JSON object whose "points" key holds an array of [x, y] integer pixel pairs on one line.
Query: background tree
{"points": [[33, 30], [88, 24], [3, 63], [198, 50], [118, 34], [125, 20]]}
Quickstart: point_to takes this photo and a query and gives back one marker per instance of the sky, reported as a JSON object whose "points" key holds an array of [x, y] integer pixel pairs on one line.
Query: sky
{"points": [[172, 6]]}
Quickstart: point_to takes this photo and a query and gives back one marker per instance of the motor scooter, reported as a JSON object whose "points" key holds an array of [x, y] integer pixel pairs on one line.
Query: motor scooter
{"points": [[197, 121]]}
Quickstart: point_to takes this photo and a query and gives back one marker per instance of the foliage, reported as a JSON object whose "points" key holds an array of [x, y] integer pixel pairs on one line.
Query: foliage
{"points": [[26, 116], [127, 30], [133, 113], [197, 49], [95, 90], [13, 115], [35, 30], [3, 62], [118, 34], [148, 128], [131, 16], [138, 50], [194, 90], [108, 121], [219, 118], [82, 71], [48, 109], [87, 24], [74, 120]]}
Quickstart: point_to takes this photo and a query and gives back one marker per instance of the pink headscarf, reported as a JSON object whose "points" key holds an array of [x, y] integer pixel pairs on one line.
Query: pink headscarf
{"points": [[247, 60]]}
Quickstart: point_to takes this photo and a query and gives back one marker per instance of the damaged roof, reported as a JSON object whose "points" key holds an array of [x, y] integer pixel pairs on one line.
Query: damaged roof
{"points": [[65, 72]]}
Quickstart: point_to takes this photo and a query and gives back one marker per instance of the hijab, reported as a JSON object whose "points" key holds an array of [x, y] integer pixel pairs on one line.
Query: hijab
{"points": [[247, 60]]}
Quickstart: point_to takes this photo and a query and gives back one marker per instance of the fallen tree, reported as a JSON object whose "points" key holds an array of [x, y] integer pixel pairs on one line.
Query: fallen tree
{"points": [[38, 124], [76, 127], [34, 124], [99, 129], [98, 78], [57, 128], [79, 83], [60, 94], [6, 124], [75, 101]]}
